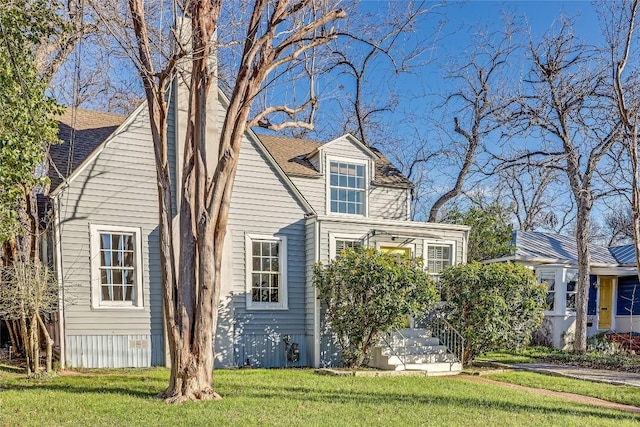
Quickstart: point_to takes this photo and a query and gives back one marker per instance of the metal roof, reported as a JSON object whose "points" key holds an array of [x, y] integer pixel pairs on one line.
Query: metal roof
{"points": [[533, 245]]}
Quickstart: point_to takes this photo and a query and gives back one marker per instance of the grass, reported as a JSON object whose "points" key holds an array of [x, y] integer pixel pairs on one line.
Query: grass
{"points": [[285, 397], [621, 394]]}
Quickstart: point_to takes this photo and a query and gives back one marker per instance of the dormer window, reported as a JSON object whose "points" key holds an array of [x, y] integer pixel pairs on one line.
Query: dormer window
{"points": [[347, 186]]}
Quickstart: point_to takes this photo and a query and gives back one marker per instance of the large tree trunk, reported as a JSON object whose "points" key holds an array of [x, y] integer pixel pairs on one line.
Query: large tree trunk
{"points": [[584, 262]]}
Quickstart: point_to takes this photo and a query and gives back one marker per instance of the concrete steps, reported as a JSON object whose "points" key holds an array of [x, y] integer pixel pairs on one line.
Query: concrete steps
{"points": [[415, 350]]}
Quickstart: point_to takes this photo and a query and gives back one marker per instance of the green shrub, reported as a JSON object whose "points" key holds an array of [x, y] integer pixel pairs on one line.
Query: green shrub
{"points": [[369, 293], [494, 306]]}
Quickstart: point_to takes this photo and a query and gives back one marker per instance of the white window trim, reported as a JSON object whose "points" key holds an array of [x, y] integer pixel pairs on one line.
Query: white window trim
{"points": [[437, 242], [283, 296], [94, 246], [367, 179], [553, 271], [332, 241], [565, 281]]}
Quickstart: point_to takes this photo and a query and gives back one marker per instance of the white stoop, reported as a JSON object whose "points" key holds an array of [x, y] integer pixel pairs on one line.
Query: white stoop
{"points": [[414, 350]]}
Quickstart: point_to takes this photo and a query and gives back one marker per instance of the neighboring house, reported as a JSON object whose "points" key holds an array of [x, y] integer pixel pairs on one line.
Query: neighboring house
{"points": [[614, 291], [294, 202]]}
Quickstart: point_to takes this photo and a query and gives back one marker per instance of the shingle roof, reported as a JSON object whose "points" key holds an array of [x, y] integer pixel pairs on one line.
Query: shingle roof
{"points": [[92, 128], [537, 245], [291, 154]]}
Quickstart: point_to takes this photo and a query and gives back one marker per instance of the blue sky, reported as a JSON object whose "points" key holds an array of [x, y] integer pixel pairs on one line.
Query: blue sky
{"points": [[418, 93]]}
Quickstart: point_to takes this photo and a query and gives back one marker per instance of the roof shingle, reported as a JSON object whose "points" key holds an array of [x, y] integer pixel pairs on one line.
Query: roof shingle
{"points": [[89, 129]]}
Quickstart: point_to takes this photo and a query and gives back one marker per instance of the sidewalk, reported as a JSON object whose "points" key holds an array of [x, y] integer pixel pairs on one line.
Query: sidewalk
{"points": [[597, 375]]}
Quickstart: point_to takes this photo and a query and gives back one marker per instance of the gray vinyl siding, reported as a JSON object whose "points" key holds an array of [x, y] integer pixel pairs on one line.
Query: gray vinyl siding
{"points": [[314, 190], [388, 203], [262, 204], [342, 147], [310, 297], [117, 189]]}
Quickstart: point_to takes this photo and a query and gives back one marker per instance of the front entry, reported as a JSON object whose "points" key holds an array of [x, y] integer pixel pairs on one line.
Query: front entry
{"points": [[396, 250], [606, 303]]}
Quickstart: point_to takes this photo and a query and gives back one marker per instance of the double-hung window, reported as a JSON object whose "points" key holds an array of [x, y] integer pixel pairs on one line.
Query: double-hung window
{"points": [[347, 187], [116, 274], [549, 277], [266, 272], [572, 290]]}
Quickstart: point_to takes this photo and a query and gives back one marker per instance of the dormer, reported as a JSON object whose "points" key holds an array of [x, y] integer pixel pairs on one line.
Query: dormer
{"points": [[343, 177], [348, 168]]}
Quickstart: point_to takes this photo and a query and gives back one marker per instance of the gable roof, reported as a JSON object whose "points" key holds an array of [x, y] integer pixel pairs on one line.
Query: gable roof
{"points": [[292, 156], [89, 129], [554, 248]]}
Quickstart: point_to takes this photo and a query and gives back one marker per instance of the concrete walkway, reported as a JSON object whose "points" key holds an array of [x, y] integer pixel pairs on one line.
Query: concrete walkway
{"points": [[597, 375]]}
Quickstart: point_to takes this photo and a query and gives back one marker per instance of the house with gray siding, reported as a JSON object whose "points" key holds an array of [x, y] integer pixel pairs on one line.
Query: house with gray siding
{"points": [[295, 202]]}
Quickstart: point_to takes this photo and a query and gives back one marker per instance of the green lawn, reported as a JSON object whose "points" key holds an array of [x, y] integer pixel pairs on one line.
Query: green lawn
{"points": [[622, 394], [286, 397]]}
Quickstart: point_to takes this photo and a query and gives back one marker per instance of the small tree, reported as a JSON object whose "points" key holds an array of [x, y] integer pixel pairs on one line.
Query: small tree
{"points": [[28, 290], [368, 293], [494, 306], [490, 235]]}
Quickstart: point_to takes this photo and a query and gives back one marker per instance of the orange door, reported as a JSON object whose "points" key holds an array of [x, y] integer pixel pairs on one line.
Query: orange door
{"points": [[606, 303]]}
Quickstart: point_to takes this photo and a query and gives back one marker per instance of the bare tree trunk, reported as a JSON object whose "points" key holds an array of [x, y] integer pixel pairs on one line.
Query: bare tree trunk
{"points": [[25, 340], [12, 336], [584, 263], [48, 341]]}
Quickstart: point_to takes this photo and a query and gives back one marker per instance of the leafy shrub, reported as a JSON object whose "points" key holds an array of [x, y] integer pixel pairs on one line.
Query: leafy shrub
{"points": [[494, 306], [369, 293]]}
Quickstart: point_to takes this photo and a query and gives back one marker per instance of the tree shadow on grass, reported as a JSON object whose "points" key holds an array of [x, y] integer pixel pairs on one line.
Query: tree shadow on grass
{"points": [[12, 369], [126, 386], [410, 400]]}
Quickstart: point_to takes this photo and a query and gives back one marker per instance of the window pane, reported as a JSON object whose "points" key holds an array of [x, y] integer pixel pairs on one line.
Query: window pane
{"points": [[105, 241], [106, 293], [117, 277], [128, 242], [266, 249], [116, 241], [266, 264], [128, 295], [128, 259], [116, 259], [128, 277], [550, 301], [571, 301], [105, 277], [105, 258], [274, 295], [255, 279], [117, 293], [256, 263]]}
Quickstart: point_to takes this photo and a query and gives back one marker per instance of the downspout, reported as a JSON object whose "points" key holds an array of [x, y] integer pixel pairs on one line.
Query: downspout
{"points": [[60, 276], [316, 305]]}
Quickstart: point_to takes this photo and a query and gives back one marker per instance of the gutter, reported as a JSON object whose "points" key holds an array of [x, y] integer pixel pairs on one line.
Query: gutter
{"points": [[57, 243]]}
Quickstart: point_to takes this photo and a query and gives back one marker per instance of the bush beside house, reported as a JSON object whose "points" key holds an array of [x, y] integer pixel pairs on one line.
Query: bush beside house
{"points": [[494, 306], [368, 293]]}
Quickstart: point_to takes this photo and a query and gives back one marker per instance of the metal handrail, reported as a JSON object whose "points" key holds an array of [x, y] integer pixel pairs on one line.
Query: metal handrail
{"points": [[390, 346], [449, 336]]}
